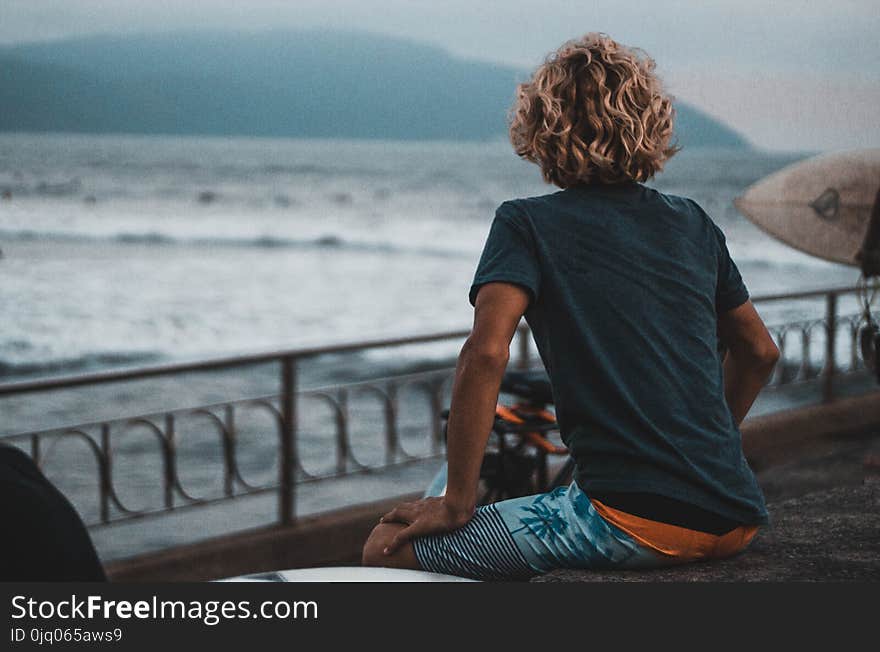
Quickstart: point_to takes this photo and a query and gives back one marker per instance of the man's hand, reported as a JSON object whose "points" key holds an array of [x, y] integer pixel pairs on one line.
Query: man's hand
{"points": [[424, 517]]}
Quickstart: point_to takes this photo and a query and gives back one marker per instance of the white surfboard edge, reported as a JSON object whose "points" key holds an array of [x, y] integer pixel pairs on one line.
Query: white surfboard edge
{"points": [[335, 574], [821, 205]]}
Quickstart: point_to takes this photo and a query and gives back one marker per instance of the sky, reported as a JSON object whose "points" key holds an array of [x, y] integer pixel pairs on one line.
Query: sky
{"points": [[795, 75]]}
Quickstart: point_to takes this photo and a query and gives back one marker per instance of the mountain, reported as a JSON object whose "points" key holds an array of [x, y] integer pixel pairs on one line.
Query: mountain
{"points": [[276, 83]]}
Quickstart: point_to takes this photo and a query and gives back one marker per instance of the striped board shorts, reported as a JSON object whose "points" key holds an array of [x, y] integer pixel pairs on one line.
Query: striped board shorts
{"points": [[522, 537]]}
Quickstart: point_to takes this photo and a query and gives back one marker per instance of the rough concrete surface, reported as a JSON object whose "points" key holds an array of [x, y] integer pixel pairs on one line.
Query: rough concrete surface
{"points": [[830, 535]]}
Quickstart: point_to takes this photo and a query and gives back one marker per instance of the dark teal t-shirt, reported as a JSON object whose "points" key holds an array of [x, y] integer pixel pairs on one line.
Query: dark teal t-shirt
{"points": [[626, 284]]}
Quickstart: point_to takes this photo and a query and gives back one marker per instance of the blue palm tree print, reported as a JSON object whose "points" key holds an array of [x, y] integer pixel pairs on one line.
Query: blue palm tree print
{"points": [[544, 520]]}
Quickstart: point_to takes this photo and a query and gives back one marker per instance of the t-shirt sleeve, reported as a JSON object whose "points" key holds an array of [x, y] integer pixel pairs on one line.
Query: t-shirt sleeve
{"points": [[730, 291], [509, 255]]}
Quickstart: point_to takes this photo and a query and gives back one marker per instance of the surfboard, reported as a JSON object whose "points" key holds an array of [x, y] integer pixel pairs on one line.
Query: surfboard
{"points": [[821, 206], [347, 574]]}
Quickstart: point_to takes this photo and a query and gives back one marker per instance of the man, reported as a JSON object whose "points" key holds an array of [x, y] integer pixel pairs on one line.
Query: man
{"points": [[628, 292]]}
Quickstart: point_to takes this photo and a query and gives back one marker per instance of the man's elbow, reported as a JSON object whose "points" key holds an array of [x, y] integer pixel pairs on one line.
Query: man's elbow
{"points": [[764, 356], [485, 355]]}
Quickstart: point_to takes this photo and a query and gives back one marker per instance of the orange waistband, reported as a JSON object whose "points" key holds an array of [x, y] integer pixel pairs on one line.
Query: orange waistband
{"points": [[675, 541]]}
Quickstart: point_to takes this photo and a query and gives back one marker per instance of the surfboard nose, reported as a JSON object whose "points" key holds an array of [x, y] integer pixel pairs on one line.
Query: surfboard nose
{"points": [[820, 205]]}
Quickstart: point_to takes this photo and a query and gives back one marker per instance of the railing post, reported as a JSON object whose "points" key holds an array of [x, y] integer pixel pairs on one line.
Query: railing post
{"points": [[436, 418], [391, 436], [35, 450], [342, 452], [170, 454], [105, 471], [287, 463], [523, 361], [778, 375], [830, 337], [806, 369], [229, 451]]}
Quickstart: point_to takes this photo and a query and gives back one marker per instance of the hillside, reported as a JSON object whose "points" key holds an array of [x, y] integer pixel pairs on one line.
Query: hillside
{"points": [[279, 83]]}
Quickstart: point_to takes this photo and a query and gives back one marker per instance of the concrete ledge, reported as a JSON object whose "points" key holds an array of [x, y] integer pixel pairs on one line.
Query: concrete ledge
{"points": [[831, 535], [327, 539], [335, 538], [783, 435]]}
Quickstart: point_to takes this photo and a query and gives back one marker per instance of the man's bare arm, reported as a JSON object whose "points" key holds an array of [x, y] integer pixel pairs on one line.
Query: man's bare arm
{"points": [[752, 355], [481, 364]]}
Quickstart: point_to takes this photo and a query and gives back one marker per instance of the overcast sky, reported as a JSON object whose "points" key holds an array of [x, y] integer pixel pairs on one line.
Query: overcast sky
{"points": [[790, 74]]}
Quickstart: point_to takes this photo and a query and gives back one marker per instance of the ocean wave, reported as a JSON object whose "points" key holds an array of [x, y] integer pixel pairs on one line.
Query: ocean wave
{"points": [[58, 189], [231, 170], [85, 362], [328, 241]]}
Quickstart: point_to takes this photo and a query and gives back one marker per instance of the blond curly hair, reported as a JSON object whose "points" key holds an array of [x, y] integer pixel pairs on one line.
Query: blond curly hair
{"points": [[594, 111]]}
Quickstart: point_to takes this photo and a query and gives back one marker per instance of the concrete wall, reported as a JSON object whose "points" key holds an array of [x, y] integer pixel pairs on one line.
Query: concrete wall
{"points": [[333, 538]]}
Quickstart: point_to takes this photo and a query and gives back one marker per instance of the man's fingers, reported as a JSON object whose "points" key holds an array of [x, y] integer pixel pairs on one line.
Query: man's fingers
{"points": [[400, 514], [418, 528], [400, 538]]}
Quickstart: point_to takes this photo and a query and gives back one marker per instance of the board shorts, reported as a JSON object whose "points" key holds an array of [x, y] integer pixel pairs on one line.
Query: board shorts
{"points": [[523, 537]]}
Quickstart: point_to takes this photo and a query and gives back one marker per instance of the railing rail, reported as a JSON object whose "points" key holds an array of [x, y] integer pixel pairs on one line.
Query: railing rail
{"points": [[214, 364], [285, 406]]}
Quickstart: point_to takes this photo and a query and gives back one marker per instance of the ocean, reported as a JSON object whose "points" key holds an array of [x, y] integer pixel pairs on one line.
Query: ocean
{"points": [[127, 250]]}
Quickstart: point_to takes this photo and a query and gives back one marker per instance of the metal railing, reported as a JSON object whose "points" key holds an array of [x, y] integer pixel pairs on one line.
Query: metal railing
{"points": [[830, 326], [283, 409]]}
